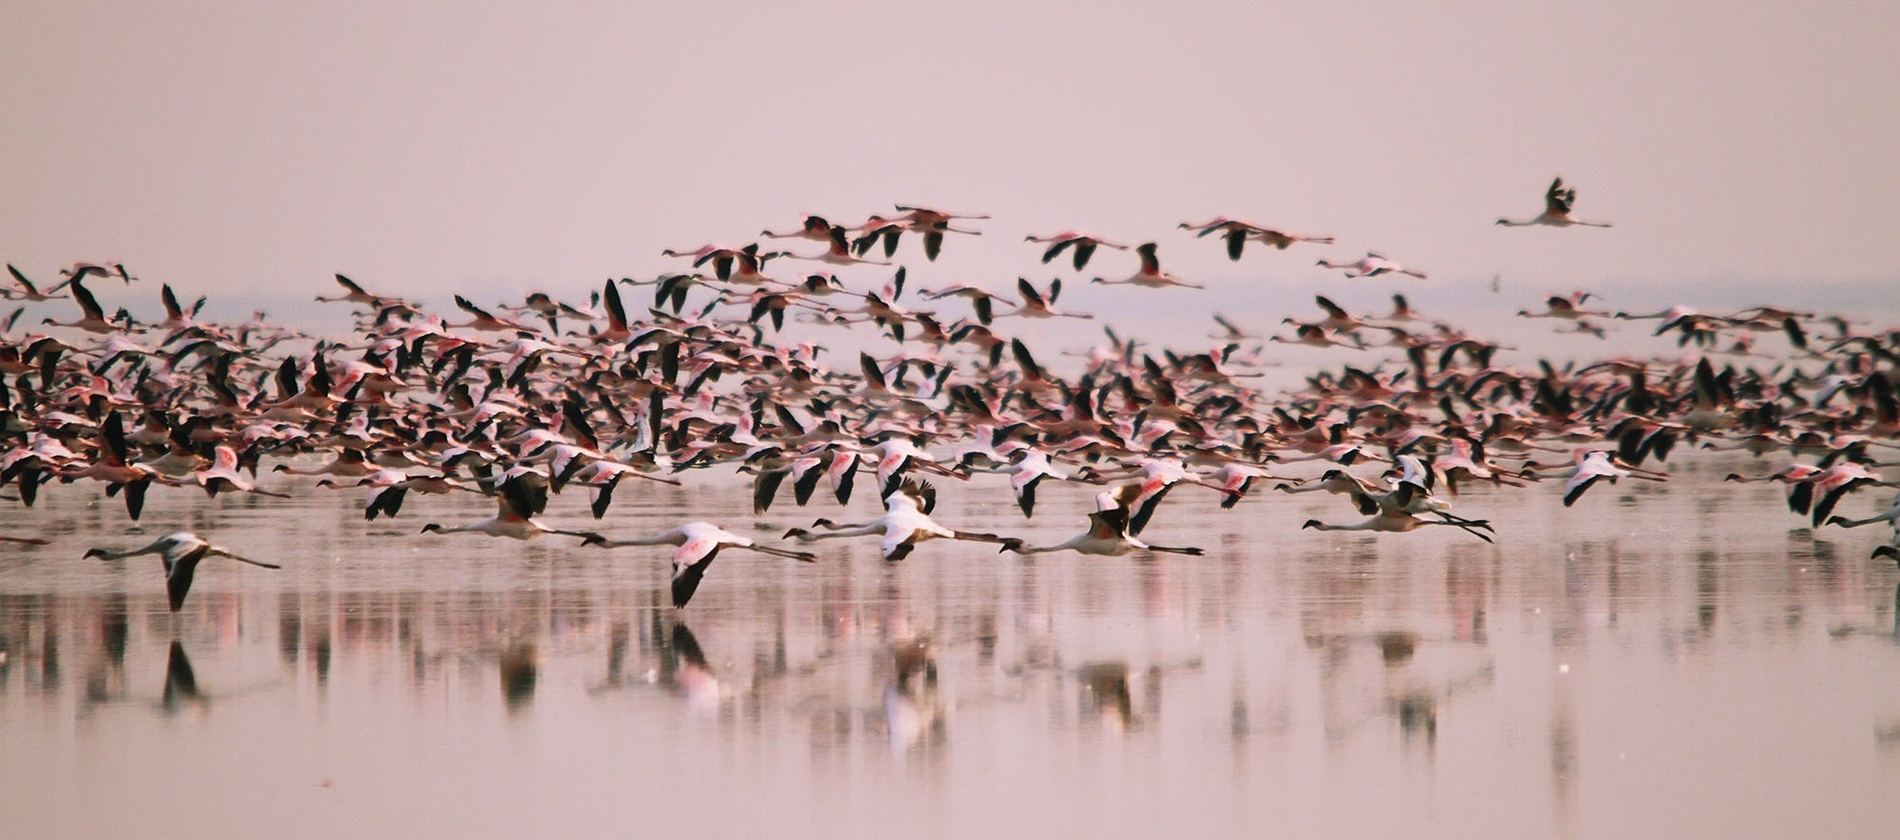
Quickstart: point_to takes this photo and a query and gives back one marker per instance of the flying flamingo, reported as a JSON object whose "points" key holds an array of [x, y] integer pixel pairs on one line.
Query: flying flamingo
{"points": [[697, 543], [1236, 233], [517, 502], [1150, 275], [1400, 511], [95, 320], [838, 252], [1083, 243], [181, 552], [31, 293], [1036, 305], [1569, 308], [354, 293], [1107, 536], [1557, 203], [1372, 265], [905, 523], [815, 228]]}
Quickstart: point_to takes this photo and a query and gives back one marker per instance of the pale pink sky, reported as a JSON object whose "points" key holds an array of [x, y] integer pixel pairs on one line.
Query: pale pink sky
{"points": [[422, 147]]}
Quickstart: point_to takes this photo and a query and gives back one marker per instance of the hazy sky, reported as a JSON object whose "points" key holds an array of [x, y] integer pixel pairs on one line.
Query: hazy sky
{"points": [[235, 147]]}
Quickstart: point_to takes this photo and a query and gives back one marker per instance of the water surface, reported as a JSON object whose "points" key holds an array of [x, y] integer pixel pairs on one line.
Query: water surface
{"points": [[1661, 660]]}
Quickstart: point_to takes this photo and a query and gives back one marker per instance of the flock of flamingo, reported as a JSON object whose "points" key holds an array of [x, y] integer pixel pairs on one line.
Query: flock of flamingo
{"points": [[528, 402]]}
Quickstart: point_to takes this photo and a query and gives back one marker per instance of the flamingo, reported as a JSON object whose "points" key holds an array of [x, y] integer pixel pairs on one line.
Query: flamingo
{"points": [[1236, 233], [815, 228], [1031, 467], [27, 291], [696, 545], [1084, 245], [1592, 465], [719, 255], [483, 320], [906, 523], [1891, 549], [934, 224], [1314, 335], [982, 301], [181, 552], [1372, 265], [223, 474], [1150, 274], [354, 293], [1400, 512], [1107, 536], [94, 320], [1892, 515], [1557, 202], [838, 252], [81, 269], [1568, 308], [1035, 305], [1837, 481], [517, 502]]}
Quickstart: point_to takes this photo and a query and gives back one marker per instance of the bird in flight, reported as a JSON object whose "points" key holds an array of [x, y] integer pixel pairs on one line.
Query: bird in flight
{"points": [[1557, 203], [181, 552]]}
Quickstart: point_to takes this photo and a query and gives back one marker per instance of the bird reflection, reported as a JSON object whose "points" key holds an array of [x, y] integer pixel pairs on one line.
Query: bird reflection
{"points": [[320, 650], [1418, 718], [1893, 634], [1105, 695], [114, 629], [618, 639], [1887, 737], [289, 628], [181, 683], [1396, 647], [518, 674], [911, 706], [677, 663], [105, 676], [683, 668], [1409, 686], [1707, 591], [1415, 708], [1238, 727]]}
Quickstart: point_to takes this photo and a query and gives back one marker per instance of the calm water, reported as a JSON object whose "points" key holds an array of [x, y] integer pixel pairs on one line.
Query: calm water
{"points": [[1660, 661]]}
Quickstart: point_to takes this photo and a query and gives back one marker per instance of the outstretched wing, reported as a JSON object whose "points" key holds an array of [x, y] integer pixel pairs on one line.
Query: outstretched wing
{"points": [[690, 562], [1557, 200]]}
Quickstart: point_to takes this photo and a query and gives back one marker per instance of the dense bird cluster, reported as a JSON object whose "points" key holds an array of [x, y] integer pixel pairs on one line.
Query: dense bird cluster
{"points": [[534, 400]]}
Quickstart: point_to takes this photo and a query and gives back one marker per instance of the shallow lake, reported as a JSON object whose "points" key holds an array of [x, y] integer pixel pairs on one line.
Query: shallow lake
{"points": [[1675, 660]]}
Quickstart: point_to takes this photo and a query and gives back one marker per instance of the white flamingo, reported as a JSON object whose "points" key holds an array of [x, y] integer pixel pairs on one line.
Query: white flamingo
{"points": [[696, 543], [1558, 200], [181, 552]]}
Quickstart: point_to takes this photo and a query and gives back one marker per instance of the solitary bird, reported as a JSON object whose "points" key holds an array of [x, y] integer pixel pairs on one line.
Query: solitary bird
{"points": [[1557, 203], [181, 553]]}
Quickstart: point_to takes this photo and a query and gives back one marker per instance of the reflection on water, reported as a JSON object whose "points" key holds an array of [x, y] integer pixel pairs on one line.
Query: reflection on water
{"points": [[1699, 668]]}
